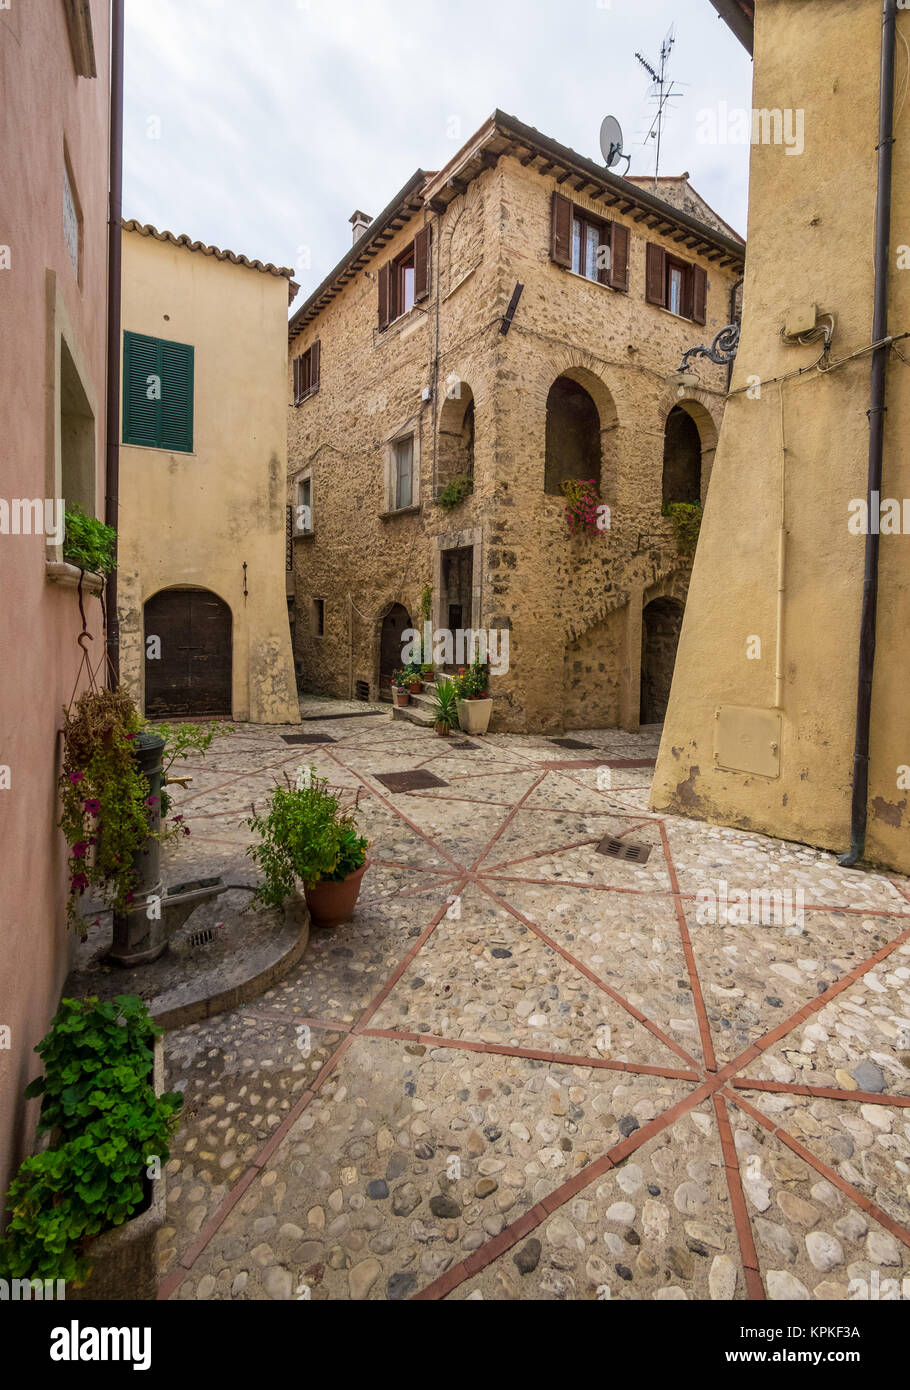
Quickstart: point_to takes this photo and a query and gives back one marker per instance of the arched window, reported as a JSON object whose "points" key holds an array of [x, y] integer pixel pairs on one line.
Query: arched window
{"points": [[573, 448], [682, 458]]}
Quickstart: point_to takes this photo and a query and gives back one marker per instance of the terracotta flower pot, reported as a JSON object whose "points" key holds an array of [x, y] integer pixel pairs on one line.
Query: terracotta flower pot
{"points": [[414, 687], [442, 728], [474, 715], [401, 695], [331, 903]]}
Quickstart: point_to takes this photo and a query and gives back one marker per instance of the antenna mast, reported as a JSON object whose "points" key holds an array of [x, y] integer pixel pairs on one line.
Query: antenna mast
{"points": [[664, 92]]}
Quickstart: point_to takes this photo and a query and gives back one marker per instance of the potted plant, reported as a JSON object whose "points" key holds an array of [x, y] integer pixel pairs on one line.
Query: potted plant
{"points": [[400, 694], [304, 837], [474, 703], [412, 679], [86, 1207], [427, 674], [445, 708]]}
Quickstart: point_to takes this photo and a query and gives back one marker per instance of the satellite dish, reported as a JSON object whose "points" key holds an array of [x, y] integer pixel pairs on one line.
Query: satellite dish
{"points": [[611, 141]]}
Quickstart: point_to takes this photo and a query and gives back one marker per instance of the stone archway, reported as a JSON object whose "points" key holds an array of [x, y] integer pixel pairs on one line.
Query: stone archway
{"points": [[661, 623], [395, 621], [189, 669]]}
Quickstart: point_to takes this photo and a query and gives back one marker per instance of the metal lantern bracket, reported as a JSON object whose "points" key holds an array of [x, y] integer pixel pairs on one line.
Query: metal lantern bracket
{"points": [[722, 350]]}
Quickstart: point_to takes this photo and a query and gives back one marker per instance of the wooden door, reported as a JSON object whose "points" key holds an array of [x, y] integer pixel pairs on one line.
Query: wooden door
{"points": [[395, 622], [193, 673]]}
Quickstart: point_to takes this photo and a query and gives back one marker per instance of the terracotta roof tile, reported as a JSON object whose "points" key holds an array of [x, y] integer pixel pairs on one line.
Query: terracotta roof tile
{"points": [[134, 225]]}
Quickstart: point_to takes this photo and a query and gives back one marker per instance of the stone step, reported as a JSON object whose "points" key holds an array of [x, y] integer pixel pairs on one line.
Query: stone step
{"points": [[413, 714]]}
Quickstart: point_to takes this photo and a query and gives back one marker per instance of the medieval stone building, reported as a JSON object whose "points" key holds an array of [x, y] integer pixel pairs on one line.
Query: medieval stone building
{"points": [[507, 325]]}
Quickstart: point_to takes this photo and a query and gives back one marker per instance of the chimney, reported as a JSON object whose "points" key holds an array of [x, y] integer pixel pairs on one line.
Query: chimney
{"points": [[359, 221]]}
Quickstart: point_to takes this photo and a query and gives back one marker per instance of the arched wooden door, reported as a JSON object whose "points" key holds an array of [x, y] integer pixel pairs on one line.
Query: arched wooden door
{"points": [[192, 672], [395, 622]]}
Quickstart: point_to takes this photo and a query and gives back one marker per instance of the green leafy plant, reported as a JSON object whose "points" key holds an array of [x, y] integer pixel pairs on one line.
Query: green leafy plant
{"points": [[686, 518], [106, 1127], [445, 704], [104, 796], [88, 543], [471, 682], [582, 506], [180, 740], [455, 492], [401, 677], [303, 836], [426, 602]]}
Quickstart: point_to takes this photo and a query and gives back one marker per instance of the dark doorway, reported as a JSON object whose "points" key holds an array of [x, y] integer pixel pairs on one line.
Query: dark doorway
{"points": [[661, 622], [395, 622], [682, 458], [457, 587], [573, 448], [192, 675]]}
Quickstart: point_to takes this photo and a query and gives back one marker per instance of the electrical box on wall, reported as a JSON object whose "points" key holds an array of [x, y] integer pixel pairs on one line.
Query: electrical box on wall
{"points": [[801, 318], [747, 740]]}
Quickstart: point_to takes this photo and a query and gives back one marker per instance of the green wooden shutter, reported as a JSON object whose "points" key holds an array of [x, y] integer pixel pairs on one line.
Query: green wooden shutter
{"points": [[176, 397], [140, 404]]}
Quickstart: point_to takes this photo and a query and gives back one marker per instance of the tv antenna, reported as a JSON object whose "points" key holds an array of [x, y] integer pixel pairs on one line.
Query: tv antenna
{"points": [[611, 143], [664, 92]]}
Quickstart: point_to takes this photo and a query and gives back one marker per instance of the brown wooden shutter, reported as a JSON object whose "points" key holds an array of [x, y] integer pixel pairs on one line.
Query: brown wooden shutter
{"points": [[296, 367], [385, 293], [422, 263], [699, 294], [687, 298], [561, 231], [315, 354], [656, 275], [619, 256]]}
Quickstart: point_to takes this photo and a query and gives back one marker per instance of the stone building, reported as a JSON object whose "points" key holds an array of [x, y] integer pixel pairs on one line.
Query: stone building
{"points": [[513, 320], [202, 592], [764, 727]]}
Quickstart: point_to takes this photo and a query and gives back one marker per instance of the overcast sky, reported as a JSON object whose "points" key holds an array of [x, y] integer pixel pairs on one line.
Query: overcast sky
{"points": [[260, 125]]}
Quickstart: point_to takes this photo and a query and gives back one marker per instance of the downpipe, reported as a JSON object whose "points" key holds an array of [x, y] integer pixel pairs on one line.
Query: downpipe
{"points": [[877, 384]]}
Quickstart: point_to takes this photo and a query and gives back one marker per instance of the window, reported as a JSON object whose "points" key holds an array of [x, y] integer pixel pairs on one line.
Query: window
{"points": [[306, 369], [675, 285], [403, 473], [157, 393], [317, 617], [405, 280], [77, 437], [588, 245], [72, 217], [303, 516]]}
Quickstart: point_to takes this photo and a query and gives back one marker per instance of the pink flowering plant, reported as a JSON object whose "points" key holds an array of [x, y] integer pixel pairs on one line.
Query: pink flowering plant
{"points": [[582, 501]]}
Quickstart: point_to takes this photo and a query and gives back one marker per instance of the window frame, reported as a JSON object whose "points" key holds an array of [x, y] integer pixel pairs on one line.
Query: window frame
{"points": [[306, 372], [409, 433], [129, 339], [303, 480]]}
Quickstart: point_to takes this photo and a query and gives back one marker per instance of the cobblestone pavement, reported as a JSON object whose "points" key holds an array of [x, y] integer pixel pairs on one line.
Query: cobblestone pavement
{"points": [[526, 1069]]}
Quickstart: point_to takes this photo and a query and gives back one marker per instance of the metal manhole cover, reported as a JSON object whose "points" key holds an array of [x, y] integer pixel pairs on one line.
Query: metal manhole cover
{"points": [[463, 744], [570, 743], [624, 849], [409, 781], [307, 738]]}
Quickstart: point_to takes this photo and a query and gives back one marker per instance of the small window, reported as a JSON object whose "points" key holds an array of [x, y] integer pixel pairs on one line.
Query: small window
{"points": [[405, 280], [590, 248], [679, 286], [303, 516], [675, 275], [306, 373], [157, 393], [403, 473], [317, 617]]}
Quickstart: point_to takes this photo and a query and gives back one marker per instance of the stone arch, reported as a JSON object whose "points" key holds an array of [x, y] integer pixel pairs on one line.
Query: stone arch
{"points": [[661, 624], [457, 422], [690, 442], [392, 619], [581, 421], [462, 238]]}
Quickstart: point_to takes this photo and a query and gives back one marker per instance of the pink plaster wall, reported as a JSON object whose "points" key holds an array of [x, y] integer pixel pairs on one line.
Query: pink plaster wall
{"points": [[43, 102]]}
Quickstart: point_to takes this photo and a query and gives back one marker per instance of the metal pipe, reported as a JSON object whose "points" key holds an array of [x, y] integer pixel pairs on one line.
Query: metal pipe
{"points": [[112, 428], [877, 384]]}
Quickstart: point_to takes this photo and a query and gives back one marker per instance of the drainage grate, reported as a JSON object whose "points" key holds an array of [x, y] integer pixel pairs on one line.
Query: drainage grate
{"points": [[409, 781], [570, 743], [463, 744], [307, 738], [362, 690], [201, 938], [624, 849]]}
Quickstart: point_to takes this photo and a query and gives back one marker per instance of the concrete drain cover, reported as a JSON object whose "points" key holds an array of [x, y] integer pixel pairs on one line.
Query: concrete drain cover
{"points": [[409, 781], [307, 738], [570, 743], [624, 849]]}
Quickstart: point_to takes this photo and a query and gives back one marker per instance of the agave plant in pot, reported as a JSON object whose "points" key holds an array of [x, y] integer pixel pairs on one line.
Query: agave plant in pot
{"points": [[445, 708], [306, 838]]}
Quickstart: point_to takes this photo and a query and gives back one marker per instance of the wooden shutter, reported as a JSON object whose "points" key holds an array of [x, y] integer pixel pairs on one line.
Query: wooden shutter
{"points": [[699, 294], [561, 230], [656, 275], [619, 256], [296, 370], [315, 358], [422, 263], [687, 297], [176, 397], [140, 413], [385, 294]]}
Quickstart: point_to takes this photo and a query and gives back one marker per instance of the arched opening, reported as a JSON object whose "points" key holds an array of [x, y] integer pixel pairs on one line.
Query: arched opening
{"points": [[661, 622], [455, 461], [682, 458], [573, 446], [394, 623], [189, 664]]}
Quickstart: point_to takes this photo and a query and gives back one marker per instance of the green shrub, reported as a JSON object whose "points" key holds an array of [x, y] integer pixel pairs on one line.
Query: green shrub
{"points": [[107, 1127], [304, 836], [686, 518], [88, 543], [455, 492]]}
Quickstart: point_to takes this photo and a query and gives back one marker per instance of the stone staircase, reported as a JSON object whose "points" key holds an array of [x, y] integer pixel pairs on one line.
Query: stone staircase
{"points": [[419, 709]]}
